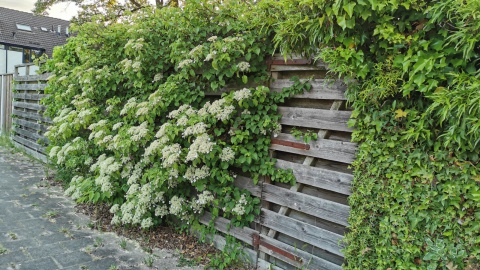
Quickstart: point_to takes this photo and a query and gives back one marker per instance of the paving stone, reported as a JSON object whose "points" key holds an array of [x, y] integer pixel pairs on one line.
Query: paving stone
{"points": [[39, 264], [73, 258]]}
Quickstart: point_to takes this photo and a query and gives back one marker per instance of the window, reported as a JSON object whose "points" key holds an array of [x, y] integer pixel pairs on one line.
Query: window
{"points": [[27, 56], [36, 54], [24, 27], [44, 29], [15, 49], [2, 47]]}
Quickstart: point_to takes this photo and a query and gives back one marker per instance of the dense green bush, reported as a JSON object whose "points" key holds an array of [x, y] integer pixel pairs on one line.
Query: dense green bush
{"points": [[119, 95], [133, 128], [416, 100]]}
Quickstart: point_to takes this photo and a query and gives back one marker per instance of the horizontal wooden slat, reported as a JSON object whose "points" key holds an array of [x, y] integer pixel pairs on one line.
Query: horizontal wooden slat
{"points": [[323, 148], [31, 152], [307, 233], [318, 66], [29, 144], [244, 234], [33, 116], [309, 261], [315, 118], [32, 78], [36, 87], [32, 106], [29, 124], [29, 96], [247, 183], [321, 89], [321, 208], [318, 177], [33, 136]]}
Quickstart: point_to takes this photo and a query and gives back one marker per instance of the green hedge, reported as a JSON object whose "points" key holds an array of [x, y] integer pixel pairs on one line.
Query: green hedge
{"points": [[416, 100]]}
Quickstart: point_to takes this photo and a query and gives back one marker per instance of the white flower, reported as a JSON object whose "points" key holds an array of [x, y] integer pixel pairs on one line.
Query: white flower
{"points": [[162, 131], [227, 154], [176, 205], [171, 154], [147, 223], [138, 132], [185, 63], [114, 208], [195, 50], [212, 38], [239, 208], [117, 125], [194, 174], [158, 77], [243, 66], [242, 94], [198, 128], [202, 145], [161, 211]]}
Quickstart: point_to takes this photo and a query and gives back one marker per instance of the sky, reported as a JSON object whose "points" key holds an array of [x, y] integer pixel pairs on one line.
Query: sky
{"points": [[62, 11]]}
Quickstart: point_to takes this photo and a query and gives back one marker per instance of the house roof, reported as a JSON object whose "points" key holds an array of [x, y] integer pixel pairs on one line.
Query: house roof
{"points": [[14, 26]]}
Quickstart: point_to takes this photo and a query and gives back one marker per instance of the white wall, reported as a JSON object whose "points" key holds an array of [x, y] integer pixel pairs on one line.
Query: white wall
{"points": [[3, 58], [13, 59]]}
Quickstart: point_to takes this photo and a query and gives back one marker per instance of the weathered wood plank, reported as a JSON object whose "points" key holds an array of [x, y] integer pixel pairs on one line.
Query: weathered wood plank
{"points": [[324, 209], [33, 116], [318, 177], [35, 97], [31, 152], [321, 89], [29, 124], [264, 265], [30, 144], [308, 260], [315, 118], [31, 87], [32, 78], [32, 106], [247, 183], [322, 148], [316, 66], [307, 233], [33, 136], [244, 234]]}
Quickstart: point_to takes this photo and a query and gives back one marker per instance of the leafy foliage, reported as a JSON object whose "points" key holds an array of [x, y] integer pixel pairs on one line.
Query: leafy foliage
{"points": [[133, 127], [412, 68]]}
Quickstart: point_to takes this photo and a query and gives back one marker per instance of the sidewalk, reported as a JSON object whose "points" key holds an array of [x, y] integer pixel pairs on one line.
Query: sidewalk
{"points": [[40, 230]]}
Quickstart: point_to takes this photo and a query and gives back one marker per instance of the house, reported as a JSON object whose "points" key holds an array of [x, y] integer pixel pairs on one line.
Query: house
{"points": [[24, 36]]}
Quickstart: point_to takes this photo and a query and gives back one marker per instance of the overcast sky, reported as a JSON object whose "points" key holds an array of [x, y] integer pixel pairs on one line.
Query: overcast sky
{"points": [[62, 11]]}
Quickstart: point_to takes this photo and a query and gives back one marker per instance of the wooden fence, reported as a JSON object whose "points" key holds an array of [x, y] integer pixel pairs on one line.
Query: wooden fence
{"points": [[6, 81], [302, 226], [28, 121]]}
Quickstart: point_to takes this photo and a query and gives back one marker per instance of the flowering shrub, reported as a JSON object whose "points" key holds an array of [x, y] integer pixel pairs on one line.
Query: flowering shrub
{"points": [[132, 126]]}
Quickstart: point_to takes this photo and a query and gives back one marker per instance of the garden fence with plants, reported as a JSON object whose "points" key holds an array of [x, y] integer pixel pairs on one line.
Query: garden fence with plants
{"points": [[300, 226], [28, 121]]}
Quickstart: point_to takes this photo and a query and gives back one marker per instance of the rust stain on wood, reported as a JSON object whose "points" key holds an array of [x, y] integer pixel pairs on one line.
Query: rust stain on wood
{"points": [[282, 252], [297, 145]]}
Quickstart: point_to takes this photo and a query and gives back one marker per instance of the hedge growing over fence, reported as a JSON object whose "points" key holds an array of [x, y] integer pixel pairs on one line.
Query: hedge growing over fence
{"points": [[133, 128], [416, 100]]}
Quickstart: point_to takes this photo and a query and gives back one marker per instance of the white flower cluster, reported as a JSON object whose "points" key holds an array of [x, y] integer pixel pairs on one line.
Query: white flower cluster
{"points": [[212, 38], [171, 155], [242, 94], [185, 63], [219, 110], [131, 103], [175, 113], [142, 108], [105, 167], [243, 66], [239, 208], [196, 50], [138, 132], [176, 204], [203, 199], [194, 174], [157, 77], [202, 145], [196, 129], [227, 154]]}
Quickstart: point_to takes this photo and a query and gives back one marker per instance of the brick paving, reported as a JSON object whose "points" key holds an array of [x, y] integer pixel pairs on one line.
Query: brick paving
{"points": [[39, 228]]}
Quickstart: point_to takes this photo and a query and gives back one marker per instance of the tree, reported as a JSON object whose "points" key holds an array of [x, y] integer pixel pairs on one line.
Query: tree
{"points": [[106, 9]]}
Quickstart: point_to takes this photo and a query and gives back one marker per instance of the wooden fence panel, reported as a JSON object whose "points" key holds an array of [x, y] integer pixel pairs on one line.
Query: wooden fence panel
{"points": [[29, 122], [6, 81]]}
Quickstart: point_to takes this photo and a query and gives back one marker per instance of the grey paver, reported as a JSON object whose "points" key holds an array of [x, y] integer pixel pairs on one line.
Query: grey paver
{"points": [[63, 241]]}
